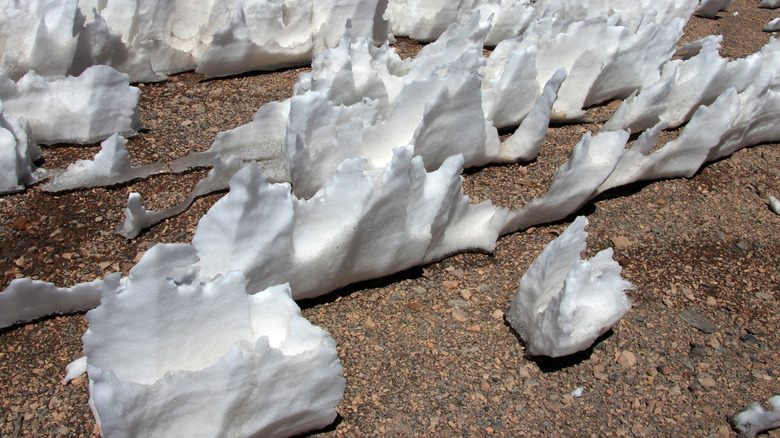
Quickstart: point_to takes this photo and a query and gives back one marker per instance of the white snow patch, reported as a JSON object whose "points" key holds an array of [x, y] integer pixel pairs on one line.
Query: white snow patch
{"points": [[563, 303], [83, 109], [25, 299], [169, 355], [756, 419], [110, 166]]}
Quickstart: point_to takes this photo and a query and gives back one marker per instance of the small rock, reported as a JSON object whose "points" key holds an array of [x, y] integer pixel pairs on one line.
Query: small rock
{"points": [[749, 339], [765, 296], [415, 306], [20, 224], [457, 273], [450, 285], [697, 351], [462, 304], [419, 290], [695, 319], [370, 323], [465, 294], [483, 288], [712, 341], [497, 314], [600, 376], [711, 301], [675, 390], [621, 243], [626, 359], [707, 382], [459, 315], [742, 245], [474, 328]]}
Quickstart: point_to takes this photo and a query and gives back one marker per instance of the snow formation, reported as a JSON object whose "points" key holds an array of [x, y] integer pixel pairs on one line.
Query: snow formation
{"points": [[83, 109], [110, 166], [25, 299], [250, 366], [148, 39], [18, 151], [564, 303], [755, 419], [361, 224]]}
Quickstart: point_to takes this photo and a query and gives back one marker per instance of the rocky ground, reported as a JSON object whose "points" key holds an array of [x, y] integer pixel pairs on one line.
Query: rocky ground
{"points": [[426, 352]]}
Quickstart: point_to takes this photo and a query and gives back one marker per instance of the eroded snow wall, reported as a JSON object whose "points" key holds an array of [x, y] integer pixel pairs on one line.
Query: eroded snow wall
{"points": [[82, 109], [168, 354], [18, 151], [426, 20], [685, 85], [148, 39], [564, 303], [361, 224]]}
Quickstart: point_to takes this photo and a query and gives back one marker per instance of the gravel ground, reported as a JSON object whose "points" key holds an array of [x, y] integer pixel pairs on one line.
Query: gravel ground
{"points": [[426, 352]]}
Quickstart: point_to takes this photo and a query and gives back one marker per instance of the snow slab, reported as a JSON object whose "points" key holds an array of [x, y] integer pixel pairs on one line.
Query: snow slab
{"points": [[110, 166], [170, 355], [773, 25], [137, 218], [756, 419], [18, 151], [361, 224], [564, 303], [82, 109], [25, 299]]}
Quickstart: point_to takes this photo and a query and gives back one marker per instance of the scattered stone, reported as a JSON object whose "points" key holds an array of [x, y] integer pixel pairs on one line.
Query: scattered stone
{"points": [[370, 323], [483, 288], [765, 296], [415, 306], [419, 290], [474, 328], [465, 294], [711, 301], [621, 243], [675, 390], [712, 341], [462, 304], [742, 245], [450, 285], [695, 319], [750, 339], [20, 224], [626, 359], [707, 382], [459, 315], [457, 273], [497, 314], [697, 351]]}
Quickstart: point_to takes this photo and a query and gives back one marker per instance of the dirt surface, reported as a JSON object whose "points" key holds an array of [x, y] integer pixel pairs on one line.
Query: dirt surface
{"points": [[704, 248]]}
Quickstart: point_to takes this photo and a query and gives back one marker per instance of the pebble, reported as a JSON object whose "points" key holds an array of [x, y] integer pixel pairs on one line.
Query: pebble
{"points": [[626, 359], [497, 314], [415, 306], [465, 294], [707, 382], [695, 319], [459, 315], [450, 285], [749, 339], [621, 243], [462, 304], [370, 323]]}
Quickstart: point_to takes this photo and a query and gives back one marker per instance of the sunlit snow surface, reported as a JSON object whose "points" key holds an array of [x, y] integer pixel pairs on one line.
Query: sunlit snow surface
{"points": [[564, 303], [169, 354], [756, 419], [373, 146]]}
